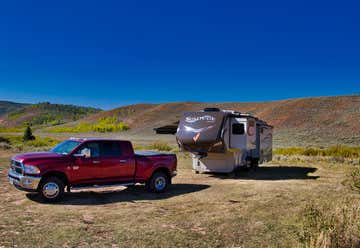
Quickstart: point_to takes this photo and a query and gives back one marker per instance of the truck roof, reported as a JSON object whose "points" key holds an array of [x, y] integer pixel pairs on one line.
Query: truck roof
{"points": [[95, 139]]}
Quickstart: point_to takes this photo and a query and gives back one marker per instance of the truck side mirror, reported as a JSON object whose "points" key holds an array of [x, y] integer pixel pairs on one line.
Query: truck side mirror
{"points": [[86, 152]]}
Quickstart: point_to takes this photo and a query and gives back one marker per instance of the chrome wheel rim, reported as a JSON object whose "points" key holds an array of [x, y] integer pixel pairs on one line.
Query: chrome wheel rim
{"points": [[51, 190], [160, 183]]}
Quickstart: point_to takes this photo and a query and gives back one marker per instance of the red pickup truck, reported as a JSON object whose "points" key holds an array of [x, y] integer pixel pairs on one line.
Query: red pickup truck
{"points": [[77, 163]]}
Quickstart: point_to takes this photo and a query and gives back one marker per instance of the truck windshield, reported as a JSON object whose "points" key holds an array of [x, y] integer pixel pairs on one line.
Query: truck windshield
{"points": [[65, 147]]}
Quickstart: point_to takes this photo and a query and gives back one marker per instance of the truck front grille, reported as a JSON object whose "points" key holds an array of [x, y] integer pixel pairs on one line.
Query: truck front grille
{"points": [[16, 166]]}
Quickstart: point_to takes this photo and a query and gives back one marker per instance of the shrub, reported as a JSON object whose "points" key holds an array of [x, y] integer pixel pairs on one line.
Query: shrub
{"points": [[42, 142], [17, 144], [28, 134], [4, 146], [160, 146], [330, 226], [355, 178], [4, 140], [138, 147]]}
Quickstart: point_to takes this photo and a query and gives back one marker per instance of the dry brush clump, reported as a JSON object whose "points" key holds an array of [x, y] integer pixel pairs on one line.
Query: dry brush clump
{"points": [[157, 145], [317, 159], [334, 151], [160, 146], [17, 144], [331, 226], [355, 178], [332, 155]]}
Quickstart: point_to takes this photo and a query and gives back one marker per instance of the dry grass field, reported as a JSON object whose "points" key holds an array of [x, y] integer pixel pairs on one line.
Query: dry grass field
{"points": [[283, 204]]}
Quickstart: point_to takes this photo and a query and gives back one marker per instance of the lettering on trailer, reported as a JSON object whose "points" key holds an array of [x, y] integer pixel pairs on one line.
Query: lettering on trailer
{"points": [[193, 119]]}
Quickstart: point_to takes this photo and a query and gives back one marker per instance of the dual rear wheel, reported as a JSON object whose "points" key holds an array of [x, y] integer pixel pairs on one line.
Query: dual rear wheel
{"points": [[158, 182]]}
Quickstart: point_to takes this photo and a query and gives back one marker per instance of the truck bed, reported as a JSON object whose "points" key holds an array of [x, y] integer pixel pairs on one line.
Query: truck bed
{"points": [[146, 161], [152, 154]]}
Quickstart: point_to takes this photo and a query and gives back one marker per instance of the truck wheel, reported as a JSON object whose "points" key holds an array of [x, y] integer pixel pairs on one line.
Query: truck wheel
{"points": [[158, 182], [52, 189]]}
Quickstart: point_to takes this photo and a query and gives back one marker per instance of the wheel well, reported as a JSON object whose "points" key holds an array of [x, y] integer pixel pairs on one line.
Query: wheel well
{"points": [[165, 170], [61, 175]]}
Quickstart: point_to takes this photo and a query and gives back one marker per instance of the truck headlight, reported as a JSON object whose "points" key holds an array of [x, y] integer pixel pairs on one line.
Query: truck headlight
{"points": [[30, 169]]}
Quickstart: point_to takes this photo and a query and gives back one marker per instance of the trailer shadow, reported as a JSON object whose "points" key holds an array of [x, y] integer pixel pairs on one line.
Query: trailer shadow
{"points": [[130, 194], [272, 173]]}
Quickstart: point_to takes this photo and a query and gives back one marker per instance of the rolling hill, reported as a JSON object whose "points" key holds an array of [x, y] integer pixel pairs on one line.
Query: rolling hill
{"points": [[6, 106], [41, 114], [320, 121]]}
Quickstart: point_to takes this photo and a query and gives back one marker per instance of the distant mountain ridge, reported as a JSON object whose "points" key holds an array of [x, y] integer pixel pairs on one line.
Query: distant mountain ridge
{"points": [[45, 113], [7, 106]]}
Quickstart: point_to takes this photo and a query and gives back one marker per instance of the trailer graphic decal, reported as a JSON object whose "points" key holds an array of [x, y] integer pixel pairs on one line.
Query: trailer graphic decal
{"points": [[196, 137], [197, 130]]}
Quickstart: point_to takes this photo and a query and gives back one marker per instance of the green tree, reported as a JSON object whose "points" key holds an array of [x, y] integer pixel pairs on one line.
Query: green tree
{"points": [[28, 134]]}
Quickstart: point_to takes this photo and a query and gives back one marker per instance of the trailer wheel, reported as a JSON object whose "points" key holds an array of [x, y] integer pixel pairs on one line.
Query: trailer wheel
{"points": [[158, 182], [254, 163]]}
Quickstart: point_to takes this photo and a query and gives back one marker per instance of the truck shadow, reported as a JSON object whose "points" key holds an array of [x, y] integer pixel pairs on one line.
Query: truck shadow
{"points": [[131, 194], [272, 173]]}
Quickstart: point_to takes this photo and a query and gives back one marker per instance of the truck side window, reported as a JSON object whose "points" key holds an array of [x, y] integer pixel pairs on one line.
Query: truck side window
{"points": [[94, 149], [111, 149], [238, 128]]}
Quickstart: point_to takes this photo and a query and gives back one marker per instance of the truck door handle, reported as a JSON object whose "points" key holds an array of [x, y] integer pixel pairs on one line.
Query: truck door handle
{"points": [[96, 162], [123, 161]]}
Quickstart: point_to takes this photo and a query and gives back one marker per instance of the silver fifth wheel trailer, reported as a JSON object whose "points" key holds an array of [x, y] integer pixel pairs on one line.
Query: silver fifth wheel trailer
{"points": [[223, 140]]}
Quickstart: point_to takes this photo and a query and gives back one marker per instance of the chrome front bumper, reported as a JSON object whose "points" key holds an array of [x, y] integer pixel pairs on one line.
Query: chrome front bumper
{"points": [[26, 183]]}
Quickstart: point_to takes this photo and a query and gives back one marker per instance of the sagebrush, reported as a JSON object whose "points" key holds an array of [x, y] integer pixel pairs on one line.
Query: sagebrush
{"points": [[335, 151]]}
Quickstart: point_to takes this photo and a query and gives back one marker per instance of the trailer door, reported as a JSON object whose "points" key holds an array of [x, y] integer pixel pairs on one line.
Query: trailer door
{"points": [[238, 133]]}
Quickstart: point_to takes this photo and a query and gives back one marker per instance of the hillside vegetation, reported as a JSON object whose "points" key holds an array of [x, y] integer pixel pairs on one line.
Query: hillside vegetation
{"points": [[105, 124], [335, 151], [42, 114], [305, 122], [6, 106], [321, 121]]}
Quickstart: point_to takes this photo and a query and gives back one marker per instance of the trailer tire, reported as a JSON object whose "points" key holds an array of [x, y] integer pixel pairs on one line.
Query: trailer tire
{"points": [[158, 182], [51, 189], [254, 163]]}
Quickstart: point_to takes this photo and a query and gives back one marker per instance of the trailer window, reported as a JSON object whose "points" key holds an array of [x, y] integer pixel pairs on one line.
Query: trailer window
{"points": [[238, 128]]}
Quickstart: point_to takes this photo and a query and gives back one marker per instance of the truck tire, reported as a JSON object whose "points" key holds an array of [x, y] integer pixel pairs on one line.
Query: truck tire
{"points": [[158, 182], [51, 189]]}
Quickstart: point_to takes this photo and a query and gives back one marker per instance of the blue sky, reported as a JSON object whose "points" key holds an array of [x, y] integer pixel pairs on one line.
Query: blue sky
{"points": [[112, 53]]}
